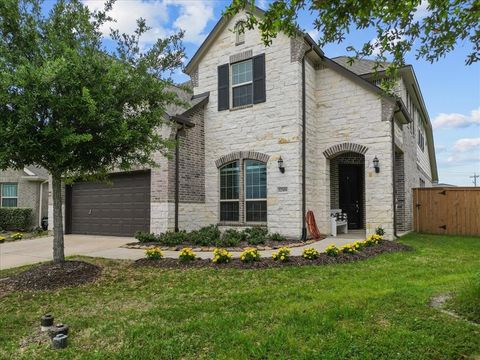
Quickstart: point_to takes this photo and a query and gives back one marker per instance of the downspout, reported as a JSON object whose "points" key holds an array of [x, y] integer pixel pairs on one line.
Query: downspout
{"points": [[40, 203], [394, 187], [304, 145], [177, 175]]}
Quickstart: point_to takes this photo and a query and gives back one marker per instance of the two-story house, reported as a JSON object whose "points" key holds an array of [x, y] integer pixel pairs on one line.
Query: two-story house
{"points": [[271, 133]]}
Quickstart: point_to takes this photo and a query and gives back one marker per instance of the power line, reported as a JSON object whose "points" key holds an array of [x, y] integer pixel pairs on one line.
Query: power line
{"points": [[474, 176]]}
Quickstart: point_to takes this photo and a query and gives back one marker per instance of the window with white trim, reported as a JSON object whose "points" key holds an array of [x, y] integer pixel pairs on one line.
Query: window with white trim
{"points": [[9, 195], [230, 192], [247, 204], [421, 140], [242, 83], [255, 191]]}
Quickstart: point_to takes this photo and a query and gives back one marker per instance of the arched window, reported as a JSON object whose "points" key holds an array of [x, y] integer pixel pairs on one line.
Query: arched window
{"points": [[243, 192], [255, 191], [230, 192]]}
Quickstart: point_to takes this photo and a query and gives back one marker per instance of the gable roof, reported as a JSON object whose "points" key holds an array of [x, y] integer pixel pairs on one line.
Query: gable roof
{"points": [[217, 29], [360, 66]]}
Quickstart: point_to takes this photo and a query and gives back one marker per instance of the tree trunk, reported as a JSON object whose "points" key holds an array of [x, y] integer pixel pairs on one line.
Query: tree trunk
{"points": [[58, 243]]}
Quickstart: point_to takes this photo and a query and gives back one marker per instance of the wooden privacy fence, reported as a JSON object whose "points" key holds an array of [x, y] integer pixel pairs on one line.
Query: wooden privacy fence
{"points": [[447, 210]]}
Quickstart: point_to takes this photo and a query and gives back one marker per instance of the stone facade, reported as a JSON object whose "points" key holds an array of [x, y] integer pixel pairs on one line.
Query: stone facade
{"points": [[28, 193], [346, 122], [272, 128]]}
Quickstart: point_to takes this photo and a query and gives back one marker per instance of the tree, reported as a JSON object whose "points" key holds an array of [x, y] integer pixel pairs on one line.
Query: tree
{"points": [[71, 106], [398, 25]]}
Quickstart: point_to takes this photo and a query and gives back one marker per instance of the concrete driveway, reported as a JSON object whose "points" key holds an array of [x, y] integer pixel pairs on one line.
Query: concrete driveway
{"points": [[23, 252]]}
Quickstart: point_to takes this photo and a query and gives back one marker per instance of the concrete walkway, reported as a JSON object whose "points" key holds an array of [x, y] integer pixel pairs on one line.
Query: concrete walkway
{"points": [[18, 253]]}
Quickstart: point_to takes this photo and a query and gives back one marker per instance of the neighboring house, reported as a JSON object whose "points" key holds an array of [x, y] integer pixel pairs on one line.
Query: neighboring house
{"points": [[27, 188], [271, 133]]}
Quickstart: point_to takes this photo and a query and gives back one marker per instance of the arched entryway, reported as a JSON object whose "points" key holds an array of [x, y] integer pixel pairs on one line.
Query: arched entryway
{"points": [[347, 182]]}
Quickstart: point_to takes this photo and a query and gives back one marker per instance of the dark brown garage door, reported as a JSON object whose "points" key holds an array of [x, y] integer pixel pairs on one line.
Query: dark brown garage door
{"points": [[121, 207]]}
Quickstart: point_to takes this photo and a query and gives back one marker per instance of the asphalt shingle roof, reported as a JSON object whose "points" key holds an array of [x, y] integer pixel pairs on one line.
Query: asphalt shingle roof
{"points": [[359, 66]]}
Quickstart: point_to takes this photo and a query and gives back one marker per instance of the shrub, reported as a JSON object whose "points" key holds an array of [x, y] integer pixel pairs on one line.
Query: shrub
{"points": [[187, 254], [171, 238], [206, 236], [38, 231], [359, 245], [221, 256], [2, 239], [154, 253], [145, 237], [379, 231], [331, 250], [256, 235], [16, 218], [250, 255], [348, 249], [17, 236], [372, 240], [277, 237], [282, 254], [310, 253], [231, 237]]}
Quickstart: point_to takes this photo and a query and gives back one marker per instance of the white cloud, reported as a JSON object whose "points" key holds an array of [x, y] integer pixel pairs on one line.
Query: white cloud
{"points": [[193, 17], [395, 36], [455, 120], [467, 144], [422, 10]]}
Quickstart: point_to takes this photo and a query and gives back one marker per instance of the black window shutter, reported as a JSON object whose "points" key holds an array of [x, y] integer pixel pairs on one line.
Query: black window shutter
{"points": [[223, 87], [259, 93]]}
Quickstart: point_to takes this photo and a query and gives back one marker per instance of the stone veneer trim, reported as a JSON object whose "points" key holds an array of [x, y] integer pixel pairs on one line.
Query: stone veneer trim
{"points": [[337, 149], [241, 56], [237, 155]]}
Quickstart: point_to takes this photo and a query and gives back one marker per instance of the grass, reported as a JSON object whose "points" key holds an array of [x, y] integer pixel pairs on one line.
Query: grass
{"points": [[376, 308], [466, 302]]}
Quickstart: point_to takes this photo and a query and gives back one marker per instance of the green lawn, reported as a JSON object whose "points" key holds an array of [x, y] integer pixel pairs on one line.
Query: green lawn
{"points": [[376, 308]]}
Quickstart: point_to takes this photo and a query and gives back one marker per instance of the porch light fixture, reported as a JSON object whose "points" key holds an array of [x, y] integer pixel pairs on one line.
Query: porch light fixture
{"points": [[280, 165], [376, 166]]}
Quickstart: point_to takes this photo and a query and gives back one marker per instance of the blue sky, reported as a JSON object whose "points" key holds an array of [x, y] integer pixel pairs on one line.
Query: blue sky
{"points": [[451, 89]]}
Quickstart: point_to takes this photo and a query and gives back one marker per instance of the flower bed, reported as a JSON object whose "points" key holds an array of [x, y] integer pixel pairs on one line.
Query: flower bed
{"points": [[268, 262], [208, 238]]}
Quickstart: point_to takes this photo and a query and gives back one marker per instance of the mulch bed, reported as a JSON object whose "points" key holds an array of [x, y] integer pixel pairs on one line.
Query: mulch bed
{"points": [[264, 263], [268, 245], [50, 276]]}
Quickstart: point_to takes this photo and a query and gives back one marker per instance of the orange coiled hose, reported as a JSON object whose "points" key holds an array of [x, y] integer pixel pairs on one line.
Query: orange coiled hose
{"points": [[312, 225]]}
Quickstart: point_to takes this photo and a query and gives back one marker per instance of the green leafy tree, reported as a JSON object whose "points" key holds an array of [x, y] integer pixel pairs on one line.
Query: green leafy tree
{"points": [[70, 105], [399, 26]]}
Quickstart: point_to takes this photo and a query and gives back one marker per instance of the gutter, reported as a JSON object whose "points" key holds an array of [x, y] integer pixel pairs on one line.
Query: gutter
{"points": [[304, 144], [394, 185]]}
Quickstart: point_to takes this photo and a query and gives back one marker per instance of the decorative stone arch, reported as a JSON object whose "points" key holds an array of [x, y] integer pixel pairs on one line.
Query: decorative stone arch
{"points": [[237, 155], [338, 149]]}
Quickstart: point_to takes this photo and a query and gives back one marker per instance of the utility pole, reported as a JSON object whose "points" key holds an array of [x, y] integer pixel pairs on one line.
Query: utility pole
{"points": [[474, 176]]}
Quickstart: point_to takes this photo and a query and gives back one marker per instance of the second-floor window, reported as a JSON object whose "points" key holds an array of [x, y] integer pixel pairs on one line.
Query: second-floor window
{"points": [[421, 140], [242, 85]]}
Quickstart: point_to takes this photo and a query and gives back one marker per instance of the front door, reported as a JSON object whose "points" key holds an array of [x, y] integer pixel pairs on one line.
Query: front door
{"points": [[351, 191]]}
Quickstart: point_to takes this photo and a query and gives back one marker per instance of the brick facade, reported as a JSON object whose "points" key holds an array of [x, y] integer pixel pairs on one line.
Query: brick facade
{"points": [[28, 193]]}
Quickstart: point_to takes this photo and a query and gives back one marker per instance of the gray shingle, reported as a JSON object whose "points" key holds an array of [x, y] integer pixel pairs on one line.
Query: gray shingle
{"points": [[359, 66]]}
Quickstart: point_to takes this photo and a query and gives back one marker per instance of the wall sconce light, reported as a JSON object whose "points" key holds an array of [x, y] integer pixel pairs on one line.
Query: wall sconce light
{"points": [[376, 165], [280, 165]]}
